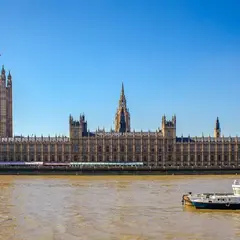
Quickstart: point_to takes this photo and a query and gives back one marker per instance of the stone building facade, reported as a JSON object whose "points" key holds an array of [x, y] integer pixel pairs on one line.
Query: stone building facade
{"points": [[161, 148]]}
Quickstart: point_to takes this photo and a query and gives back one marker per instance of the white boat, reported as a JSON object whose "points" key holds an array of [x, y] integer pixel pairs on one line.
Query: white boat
{"points": [[215, 200]]}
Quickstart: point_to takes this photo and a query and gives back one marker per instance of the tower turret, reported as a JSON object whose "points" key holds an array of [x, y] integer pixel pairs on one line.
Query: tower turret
{"points": [[3, 70], [9, 81], [217, 129], [77, 129], [169, 127], [83, 125], [3, 76]]}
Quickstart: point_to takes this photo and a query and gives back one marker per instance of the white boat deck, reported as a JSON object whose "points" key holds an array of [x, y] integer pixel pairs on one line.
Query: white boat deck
{"points": [[221, 198]]}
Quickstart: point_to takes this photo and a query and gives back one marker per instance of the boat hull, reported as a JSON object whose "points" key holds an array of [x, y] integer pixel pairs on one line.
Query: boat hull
{"points": [[186, 200], [220, 206]]}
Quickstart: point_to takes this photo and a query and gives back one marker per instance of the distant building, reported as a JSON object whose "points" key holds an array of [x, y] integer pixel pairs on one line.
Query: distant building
{"points": [[160, 148]]}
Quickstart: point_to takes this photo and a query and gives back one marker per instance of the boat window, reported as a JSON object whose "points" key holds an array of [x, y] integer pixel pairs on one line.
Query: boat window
{"points": [[236, 182]]}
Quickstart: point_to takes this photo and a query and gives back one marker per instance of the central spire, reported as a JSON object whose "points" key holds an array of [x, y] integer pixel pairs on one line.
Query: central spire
{"points": [[217, 129], [122, 119], [122, 100], [122, 93], [217, 124]]}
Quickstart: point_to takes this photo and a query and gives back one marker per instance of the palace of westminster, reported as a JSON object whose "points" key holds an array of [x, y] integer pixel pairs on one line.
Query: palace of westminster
{"points": [[161, 148]]}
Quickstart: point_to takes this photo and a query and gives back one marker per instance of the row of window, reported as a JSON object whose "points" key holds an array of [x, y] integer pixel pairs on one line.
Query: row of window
{"points": [[100, 158], [206, 157], [114, 148]]}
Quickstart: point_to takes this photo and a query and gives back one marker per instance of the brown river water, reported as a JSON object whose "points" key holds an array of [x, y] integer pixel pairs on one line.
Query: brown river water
{"points": [[111, 207]]}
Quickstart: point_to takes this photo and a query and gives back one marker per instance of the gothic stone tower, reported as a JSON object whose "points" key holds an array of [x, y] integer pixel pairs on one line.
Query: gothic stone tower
{"points": [[169, 127], [217, 129], [77, 129], [6, 129], [122, 118]]}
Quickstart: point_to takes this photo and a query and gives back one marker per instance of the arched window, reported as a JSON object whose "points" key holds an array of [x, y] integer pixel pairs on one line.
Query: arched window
{"points": [[107, 148]]}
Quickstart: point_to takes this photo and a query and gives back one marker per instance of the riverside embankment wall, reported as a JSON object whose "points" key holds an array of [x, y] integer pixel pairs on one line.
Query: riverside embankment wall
{"points": [[114, 171]]}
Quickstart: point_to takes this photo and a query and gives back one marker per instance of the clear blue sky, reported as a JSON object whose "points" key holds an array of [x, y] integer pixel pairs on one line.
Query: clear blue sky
{"points": [[174, 57]]}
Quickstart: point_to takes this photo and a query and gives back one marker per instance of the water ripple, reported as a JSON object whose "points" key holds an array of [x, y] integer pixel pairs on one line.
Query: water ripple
{"points": [[115, 208]]}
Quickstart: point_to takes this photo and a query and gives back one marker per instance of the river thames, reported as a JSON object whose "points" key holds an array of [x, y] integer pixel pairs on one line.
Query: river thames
{"points": [[111, 207]]}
